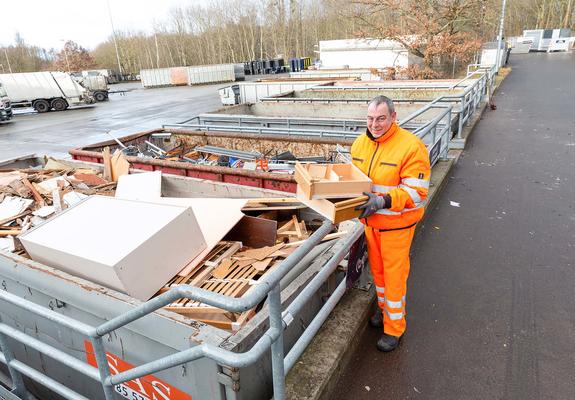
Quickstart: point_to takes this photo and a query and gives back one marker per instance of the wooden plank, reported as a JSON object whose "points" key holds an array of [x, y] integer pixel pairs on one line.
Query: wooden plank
{"points": [[11, 232], [286, 226], [229, 251], [297, 227], [254, 232], [14, 218], [119, 165], [224, 268], [272, 200], [107, 159], [259, 254], [330, 236], [261, 266], [37, 197]]}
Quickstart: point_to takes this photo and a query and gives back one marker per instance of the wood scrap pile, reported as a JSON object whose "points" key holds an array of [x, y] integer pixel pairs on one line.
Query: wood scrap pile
{"points": [[28, 197], [230, 270], [233, 266]]}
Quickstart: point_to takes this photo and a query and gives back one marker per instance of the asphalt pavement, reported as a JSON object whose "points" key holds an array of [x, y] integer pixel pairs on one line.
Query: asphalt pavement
{"points": [[133, 110], [490, 304]]}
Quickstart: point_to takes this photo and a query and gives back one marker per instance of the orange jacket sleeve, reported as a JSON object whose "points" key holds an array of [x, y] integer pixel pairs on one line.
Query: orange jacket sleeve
{"points": [[414, 185]]}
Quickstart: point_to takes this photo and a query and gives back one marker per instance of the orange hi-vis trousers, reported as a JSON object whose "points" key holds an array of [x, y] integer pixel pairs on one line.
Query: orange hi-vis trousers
{"points": [[388, 254]]}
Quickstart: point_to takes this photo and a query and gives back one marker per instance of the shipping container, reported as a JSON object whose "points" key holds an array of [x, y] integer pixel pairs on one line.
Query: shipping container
{"points": [[48, 318], [365, 53], [252, 92], [203, 74], [265, 144], [361, 74]]}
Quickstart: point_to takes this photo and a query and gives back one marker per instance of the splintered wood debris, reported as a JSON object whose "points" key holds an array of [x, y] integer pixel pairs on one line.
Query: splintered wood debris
{"points": [[30, 196], [231, 268]]}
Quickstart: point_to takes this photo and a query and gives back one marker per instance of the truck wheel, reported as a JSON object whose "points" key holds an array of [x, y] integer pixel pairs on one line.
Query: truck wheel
{"points": [[41, 106], [59, 104], [100, 96]]}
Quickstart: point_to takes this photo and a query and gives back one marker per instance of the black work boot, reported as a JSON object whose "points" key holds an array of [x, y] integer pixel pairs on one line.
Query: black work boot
{"points": [[376, 320], [388, 342]]}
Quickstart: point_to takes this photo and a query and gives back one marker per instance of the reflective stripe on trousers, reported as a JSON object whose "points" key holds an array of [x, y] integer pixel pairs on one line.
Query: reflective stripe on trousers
{"points": [[388, 254]]}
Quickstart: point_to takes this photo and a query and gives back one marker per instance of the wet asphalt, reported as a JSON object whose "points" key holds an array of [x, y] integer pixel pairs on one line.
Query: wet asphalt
{"points": [[130, 109], [491, 298]]}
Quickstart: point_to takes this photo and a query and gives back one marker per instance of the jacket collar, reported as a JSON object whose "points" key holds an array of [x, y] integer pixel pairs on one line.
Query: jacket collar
{"points": [[390, 132]]}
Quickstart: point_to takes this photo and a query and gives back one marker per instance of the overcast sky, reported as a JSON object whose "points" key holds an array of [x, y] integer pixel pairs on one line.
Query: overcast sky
{"points": [[46, 23]]}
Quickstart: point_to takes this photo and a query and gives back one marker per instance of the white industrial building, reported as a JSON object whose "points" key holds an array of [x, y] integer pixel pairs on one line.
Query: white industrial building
{"points": [[365, 53]]}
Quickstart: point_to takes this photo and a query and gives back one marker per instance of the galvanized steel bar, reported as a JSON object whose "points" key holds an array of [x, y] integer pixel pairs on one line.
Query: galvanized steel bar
{"points": [[103, 368], [43, 379], [277, 347], [47, 314], [18, 388], [314, 326], [324, 273], [50, 351], [225, 357]]}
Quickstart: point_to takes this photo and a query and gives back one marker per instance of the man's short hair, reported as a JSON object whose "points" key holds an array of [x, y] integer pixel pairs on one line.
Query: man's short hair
{"points": [[377, 100]]}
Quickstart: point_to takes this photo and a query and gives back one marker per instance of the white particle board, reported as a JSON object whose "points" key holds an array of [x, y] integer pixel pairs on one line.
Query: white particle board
{"points": [[216, 217], [145, 186], [132, 246]]}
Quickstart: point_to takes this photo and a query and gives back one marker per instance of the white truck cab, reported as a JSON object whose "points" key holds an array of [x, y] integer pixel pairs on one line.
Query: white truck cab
{"points": [[5, 105]]}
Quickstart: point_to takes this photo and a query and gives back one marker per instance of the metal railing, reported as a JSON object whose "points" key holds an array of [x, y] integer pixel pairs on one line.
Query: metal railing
{"points": [[268, 286], [474, 86]]}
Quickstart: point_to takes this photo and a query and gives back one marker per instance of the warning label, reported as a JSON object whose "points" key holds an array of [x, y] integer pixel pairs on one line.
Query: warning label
{"points": [[146, 388]]}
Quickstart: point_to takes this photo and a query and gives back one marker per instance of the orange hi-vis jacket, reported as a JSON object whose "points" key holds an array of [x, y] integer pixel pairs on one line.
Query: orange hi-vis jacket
{"points": [[398, 164]]}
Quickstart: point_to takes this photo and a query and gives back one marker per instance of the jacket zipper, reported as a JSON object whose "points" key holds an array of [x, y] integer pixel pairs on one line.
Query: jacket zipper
{"points": [[372, 157]]}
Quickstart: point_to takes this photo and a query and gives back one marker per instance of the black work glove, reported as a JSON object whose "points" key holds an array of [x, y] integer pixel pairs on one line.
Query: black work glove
{"points": [[373, 204]]}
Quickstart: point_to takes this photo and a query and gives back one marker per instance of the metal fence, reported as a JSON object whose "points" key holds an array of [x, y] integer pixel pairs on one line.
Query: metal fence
{"points": [[271, 340], [435, 132]]}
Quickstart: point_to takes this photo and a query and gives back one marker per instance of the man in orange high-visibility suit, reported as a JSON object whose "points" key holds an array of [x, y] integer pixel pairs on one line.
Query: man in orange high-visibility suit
{"points": [[398, 164]]}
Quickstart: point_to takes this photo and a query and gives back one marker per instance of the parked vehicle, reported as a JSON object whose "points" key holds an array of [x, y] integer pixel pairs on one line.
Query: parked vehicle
{"points": [[5, 106], [544, 38], [97, 84], [44, 91], [110, 75]]}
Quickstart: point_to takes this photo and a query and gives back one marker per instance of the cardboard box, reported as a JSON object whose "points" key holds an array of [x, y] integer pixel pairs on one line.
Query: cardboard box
{"points": [[331, 181], [130, 246]]}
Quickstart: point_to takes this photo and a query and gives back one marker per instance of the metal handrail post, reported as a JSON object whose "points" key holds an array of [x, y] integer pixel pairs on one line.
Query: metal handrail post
{"points": [[103, 368], [18, 388], [277, 347]]}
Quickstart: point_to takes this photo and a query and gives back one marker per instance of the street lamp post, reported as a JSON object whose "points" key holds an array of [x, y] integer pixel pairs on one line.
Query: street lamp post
{"points": [[500, 37], [114, 38], [7, 60]]}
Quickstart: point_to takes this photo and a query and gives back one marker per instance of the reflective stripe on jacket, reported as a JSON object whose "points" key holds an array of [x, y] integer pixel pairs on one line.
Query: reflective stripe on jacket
{"points": [[398, 164]]}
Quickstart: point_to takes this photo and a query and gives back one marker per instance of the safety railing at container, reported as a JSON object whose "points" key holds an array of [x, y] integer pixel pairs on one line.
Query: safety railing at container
{"points": [[272, 340]]}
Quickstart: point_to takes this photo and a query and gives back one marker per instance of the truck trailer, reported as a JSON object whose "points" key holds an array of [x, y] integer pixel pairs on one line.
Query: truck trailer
{"points": [[95, 83], [5, 105], [44, 91]]}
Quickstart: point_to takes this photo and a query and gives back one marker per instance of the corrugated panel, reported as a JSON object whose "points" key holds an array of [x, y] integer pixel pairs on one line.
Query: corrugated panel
{"points": [[155, 77], [179, 76], [210, 74]]}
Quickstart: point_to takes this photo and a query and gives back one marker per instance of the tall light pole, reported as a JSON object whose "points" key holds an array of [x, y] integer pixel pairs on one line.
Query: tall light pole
{"points": [[500, 37], [114, 38], [66, 54], [7, 60]]}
